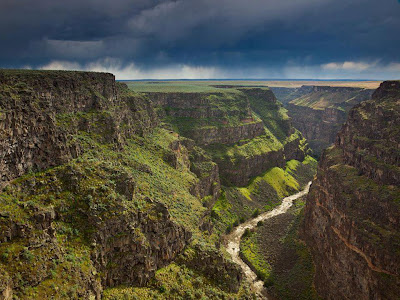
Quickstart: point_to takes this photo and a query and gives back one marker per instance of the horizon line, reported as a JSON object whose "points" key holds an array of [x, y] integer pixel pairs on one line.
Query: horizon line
{"points": [[250, 79]]}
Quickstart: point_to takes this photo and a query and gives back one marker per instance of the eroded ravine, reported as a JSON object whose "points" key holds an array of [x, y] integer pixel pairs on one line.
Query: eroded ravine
{"points": [[232, 241]]}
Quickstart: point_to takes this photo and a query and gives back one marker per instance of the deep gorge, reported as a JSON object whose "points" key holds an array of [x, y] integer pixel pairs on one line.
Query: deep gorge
{"points": [[108, 193]]}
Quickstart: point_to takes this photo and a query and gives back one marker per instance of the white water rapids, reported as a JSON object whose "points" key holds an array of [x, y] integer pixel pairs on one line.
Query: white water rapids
{"points": [[232, 241]]}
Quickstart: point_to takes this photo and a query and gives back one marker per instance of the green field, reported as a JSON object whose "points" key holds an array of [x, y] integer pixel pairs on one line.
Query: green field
{"points": [[189, 86], [209, 86]]}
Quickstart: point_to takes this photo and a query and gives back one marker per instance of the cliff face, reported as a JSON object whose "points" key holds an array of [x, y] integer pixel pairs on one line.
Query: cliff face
{"points": [[319, 127], [245, 131], [29, 137], [40, 113], [352, 214], [127, 245], [238, 169], [209, 118], [319, 111], [94, 193]]}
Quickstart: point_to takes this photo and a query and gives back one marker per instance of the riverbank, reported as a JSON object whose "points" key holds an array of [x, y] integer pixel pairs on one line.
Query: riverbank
{"points": [[232, 241]]}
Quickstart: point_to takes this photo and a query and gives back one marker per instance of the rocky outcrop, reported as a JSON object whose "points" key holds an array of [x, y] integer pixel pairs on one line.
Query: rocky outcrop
{"points": [[319, 111], [374, 152], [131, 247], [225, 273], [127, 245], [209, 118], [206, 171], [30, 101], [40, 111], [352, 215], [228, 135], [240, 169], [41, 255]]}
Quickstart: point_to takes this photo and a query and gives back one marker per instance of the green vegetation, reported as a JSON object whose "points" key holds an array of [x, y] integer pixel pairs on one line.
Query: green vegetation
{"points": [[263, 193], [188, 86], [285, 265], [127, 169], [108, 180], [224, 109], [92, 184], [329, 97], [272, 114], [249, 249], [175, 282], [256, 146]]}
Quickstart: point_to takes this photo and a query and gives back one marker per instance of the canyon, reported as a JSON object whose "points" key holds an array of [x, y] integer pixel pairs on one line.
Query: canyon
{"points": [[320, 111], [107, 192], [115, 190]]}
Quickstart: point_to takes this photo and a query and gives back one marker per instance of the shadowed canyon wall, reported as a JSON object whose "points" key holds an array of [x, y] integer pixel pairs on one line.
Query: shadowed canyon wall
{"points": [[352, 215], [320, 111]]}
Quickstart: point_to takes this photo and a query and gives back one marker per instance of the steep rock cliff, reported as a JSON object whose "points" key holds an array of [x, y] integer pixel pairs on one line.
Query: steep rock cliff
{"points": [[209, 118], [40, 113], [319, 127], [121, 204], [245, 130], [352, 214], [319, 111]]}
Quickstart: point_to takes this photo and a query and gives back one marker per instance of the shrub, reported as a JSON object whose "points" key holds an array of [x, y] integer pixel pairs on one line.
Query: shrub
{"points": [[246, 233], [4, 255], [268, 282], [261, 276], [28, 255], [214, 214], [260, 223], [256, 212]]}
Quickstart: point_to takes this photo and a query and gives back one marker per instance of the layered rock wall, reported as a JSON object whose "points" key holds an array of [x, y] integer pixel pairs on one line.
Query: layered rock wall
{"points": [[352, 215], [249, 116], [320, 111], [239, 171], [39, 111]]}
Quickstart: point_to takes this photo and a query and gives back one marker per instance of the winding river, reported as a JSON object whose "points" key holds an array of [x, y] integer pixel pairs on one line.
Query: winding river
{"points": [[232, 241]]}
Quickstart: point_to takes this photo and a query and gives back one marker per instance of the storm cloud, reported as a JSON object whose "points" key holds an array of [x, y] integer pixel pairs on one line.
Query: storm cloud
{"points": [[205, 38]]}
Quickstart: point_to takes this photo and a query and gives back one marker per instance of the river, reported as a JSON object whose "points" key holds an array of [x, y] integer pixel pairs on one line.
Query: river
{"points": [[232, 241]]}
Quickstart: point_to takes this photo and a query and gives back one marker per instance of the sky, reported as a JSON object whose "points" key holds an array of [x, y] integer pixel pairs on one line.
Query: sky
{"points": [[201, 39]]}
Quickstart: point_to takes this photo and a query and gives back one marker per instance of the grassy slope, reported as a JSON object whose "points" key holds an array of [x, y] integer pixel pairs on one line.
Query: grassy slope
{"points": [[154, 178], [175, 282], [280, 258], [263, 193], [90, 182]]}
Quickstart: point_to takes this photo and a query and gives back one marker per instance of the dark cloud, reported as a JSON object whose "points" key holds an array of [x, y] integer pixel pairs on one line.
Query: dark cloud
{"points": [[229, 35]]}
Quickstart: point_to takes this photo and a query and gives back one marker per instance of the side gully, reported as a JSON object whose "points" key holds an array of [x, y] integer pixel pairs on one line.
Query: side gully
{"points": [[232, 241]]}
